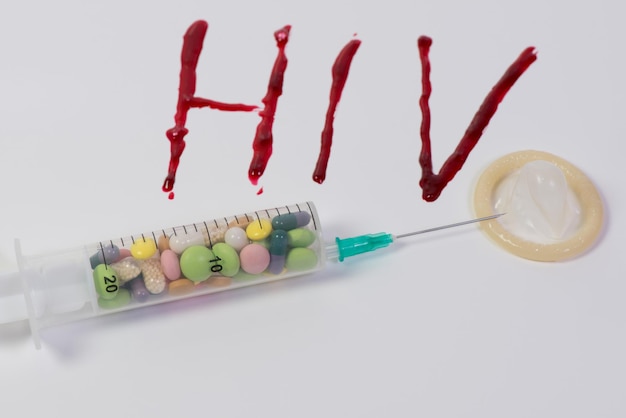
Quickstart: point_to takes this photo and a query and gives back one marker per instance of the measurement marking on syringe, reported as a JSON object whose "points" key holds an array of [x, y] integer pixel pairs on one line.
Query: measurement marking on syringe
{"points": [[312, 217], [208, 233], [215, 222], [185, 229], [195, 227], [122, 241], [268, 213], [288, 210], [154, 237], [237, 219], [104, 260], [259, 219]]}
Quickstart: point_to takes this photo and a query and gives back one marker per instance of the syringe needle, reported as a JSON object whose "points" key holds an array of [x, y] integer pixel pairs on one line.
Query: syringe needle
{"points": [[348, 247], [438, 228]]}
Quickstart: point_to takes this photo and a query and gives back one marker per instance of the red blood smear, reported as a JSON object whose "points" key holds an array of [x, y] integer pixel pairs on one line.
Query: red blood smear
{"points": [[341, 68], [433, 184], [192, 47], [170, 196], [199, 102], [260, 191], [263, 138]]}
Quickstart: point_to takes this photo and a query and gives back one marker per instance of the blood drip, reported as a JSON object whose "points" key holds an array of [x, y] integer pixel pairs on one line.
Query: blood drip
{"points": [[433, 184], [340, 71], [263, 138], [192, 47]]}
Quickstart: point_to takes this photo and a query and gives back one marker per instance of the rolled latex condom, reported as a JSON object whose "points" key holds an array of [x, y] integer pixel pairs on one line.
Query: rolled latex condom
{"points": [[553, 210], [160, 266]]}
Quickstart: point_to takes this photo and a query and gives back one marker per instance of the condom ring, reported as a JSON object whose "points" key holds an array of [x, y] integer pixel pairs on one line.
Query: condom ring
{"points": [[592, 212]]}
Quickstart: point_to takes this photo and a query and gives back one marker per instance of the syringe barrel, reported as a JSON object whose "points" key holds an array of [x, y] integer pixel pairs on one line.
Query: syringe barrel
{"points": [[170, 264]]}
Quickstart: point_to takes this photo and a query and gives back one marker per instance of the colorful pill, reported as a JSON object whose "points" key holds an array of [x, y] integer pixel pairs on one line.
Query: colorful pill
{"points": [[105, 255], [127, 269], [236, 237], [120, 300], [278, 249], [264, 242], [221, 281], [291, 221], [180, 287], [259, 229], [301, 237], [138, 289], [106, 282], [196, 263], [124, 252], [170, 265], [242, 275], [163, 243], [226, 260], [301, 259], [180, 241], [153, 276], [143, 248], [254, 258]]}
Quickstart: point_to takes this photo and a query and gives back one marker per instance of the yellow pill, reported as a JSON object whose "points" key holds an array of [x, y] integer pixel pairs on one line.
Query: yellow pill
{"points": [[143, 248], [259, 229]]}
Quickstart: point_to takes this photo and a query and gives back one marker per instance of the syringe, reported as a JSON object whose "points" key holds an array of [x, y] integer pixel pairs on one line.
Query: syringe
{"points": [[175, 263]]}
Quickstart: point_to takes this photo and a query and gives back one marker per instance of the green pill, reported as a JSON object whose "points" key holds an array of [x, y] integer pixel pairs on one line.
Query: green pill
{"points": [[301, 259], [120, 300], [300, 237], [197, 263], [227, 260], [242, 275], [106, 281], [264, 242]]}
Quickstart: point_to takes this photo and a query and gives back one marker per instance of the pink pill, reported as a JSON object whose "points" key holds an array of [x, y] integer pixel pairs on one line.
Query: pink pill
{"points": [[254, 258], [170, 265], [124, 252]]}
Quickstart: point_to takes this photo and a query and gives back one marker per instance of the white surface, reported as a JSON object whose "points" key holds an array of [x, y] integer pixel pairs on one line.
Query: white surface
{"points": [[447, 325]]}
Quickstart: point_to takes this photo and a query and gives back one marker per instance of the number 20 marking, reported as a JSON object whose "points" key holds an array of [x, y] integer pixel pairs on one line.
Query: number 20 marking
{"points": [[112, 284]]}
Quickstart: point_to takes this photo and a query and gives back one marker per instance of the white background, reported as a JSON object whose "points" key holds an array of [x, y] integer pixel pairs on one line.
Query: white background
{"points": [[447, 325]]}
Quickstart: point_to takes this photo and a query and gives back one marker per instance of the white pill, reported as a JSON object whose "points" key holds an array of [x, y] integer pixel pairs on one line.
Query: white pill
{"points": [[236, 238], [180, 241]]}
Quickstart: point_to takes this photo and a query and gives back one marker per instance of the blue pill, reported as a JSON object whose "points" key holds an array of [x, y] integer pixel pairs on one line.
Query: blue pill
{"points": [[277, 263], [278, 249], [138, 289], [291, 221], [105, 255]]}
